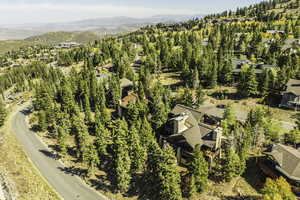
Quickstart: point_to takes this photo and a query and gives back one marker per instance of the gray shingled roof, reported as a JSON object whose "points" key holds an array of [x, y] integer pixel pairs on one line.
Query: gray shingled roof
{"points": [[193, 134], [181, 108], [103, 77], [293, 86], [288, 160], [215, 111], [124, 82], [288, 43], [198, 133]]}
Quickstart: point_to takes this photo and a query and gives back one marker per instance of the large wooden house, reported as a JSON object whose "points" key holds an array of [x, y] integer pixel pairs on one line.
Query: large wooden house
{"points": [[291, 95], [188, 129]]}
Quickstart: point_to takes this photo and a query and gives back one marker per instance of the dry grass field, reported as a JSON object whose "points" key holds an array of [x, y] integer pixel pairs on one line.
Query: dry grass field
{"points": [[28, 183]]}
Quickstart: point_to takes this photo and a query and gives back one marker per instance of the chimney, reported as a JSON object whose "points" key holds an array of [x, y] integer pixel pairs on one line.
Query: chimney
{"points": [[179, 125]]}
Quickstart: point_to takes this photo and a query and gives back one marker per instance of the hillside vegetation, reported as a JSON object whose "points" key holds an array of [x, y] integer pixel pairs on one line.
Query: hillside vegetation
{"points": [[58, 37], [11, 45], [107, 106]]}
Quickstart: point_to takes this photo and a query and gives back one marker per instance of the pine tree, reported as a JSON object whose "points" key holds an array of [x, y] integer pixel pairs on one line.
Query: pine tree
{"points": [[121, 158], [213, 79], [231, 167], [3, 113], [102, 115], [146, 133], [250, 84], [191, 190], [159, 113], [196, 81], [42, 120], [62, 140], [229, 122], [199, 170], [168, 176], [67, 99], [265, 89], [122, 170], [187, 98], [133, 113], [200, 96], [138, 152], [229, 115], [42, 99], [80, 131], [87, 110], [115, 91], [91, 159], [103, 140]]}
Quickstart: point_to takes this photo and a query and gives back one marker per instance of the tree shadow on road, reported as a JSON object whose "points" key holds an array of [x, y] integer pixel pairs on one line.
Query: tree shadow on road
{"points": [[26, 111], [74, 171], [49, 154]]}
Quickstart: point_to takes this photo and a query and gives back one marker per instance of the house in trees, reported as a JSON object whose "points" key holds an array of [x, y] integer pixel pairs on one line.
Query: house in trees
{"points": [[284, 161], [291, 95], [67, 45], [128, 95], [187, 128], [238, 64], [258, 68], [125, 101], [126, 86], [16, 65], [290, 43], [274, 32], [103, 76]]}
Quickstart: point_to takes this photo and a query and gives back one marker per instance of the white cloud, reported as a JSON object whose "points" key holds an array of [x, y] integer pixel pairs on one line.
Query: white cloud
{"points": [[35, 13]]}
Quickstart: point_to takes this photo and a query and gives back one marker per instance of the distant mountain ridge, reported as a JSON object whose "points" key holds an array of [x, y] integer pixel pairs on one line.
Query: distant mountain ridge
{"points": [[109, 25]]}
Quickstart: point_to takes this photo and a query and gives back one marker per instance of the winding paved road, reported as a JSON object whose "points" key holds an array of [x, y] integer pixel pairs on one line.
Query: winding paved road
{"points": [[70, 187]]}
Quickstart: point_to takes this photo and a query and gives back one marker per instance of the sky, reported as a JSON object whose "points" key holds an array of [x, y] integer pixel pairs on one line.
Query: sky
{"points": [[47, 11]]}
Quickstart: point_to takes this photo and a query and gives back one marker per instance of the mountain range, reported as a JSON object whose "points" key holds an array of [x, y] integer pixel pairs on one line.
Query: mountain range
{"points": [[99, 26]]}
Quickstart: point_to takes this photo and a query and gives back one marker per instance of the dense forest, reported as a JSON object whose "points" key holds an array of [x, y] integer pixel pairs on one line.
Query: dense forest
{"points": [[77, 105]]}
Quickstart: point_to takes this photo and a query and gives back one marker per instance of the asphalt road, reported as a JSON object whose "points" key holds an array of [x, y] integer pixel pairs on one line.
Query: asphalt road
{"points": [[70, 187]]}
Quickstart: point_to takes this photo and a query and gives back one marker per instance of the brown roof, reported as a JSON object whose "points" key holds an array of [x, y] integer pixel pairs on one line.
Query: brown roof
{"points": [[288, 160], [132, 97], [109, 65], [293, 86]]}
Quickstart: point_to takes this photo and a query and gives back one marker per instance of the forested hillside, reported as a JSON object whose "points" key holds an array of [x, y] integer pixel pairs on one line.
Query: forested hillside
{"points": [[58, 37], [106, 105]]}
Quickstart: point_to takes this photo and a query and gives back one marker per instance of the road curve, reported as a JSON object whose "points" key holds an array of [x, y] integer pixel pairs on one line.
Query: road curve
{"points": [[69, 187]]}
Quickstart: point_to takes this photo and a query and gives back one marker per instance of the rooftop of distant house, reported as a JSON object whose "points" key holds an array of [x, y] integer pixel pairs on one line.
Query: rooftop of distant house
{"points": [[124, 82], [293, 86], [102, 77], [287, 159], [274, 31], [258, 68], [288, 43], [130, 98]]}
